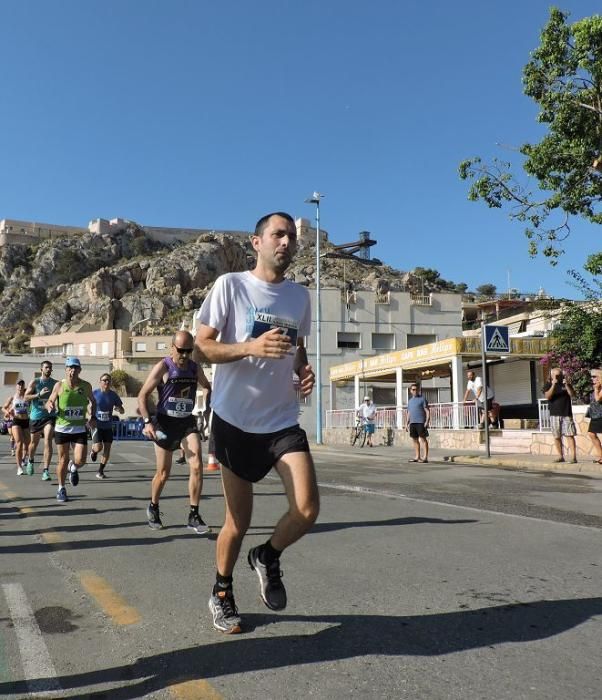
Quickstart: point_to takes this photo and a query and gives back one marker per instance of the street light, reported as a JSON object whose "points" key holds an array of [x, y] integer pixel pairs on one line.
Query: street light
{"points": [[315, 199]]}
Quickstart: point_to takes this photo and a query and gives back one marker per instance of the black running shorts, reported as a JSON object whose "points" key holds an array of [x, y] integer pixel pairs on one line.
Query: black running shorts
{"points": [[22, 423], [417, 430], [71, 438], [104, 435], [37, 426], [176, 430], [251, 455]]}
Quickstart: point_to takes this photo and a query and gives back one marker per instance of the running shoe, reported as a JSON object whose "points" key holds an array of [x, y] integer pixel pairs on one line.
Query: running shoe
{"points": [[271, 588], [45, 475], [73, 475], [196, 523], [29, 468], [93, 455], [20, 471], [100, 474], [61, 495], [154, 517], [12, 451], [181, 460], [224, 611]]}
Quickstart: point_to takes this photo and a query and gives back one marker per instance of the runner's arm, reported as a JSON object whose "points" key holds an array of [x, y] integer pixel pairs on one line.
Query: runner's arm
{"points": [[30, 392], [303, 369], [271, 344], [92, 401], [51, 403], [151, 383], [202, 379]]}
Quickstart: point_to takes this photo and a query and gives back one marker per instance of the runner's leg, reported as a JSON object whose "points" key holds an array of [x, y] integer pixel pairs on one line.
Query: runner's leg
{"points": [[298, 475], [238, 498]]}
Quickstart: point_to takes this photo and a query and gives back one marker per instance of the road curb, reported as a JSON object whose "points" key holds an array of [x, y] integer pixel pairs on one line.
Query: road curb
{"points": [[521, 464]]}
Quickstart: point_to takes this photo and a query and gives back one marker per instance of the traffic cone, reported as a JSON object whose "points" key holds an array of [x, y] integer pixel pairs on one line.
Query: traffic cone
{"points": [[212, 463]]}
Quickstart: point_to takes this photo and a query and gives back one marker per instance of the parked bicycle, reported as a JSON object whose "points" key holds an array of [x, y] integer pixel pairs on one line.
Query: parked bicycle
{"points": [[358, 434]]}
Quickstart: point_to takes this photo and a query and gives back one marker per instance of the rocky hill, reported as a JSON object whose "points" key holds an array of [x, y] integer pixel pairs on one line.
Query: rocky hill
{"points": [[115, 280]]}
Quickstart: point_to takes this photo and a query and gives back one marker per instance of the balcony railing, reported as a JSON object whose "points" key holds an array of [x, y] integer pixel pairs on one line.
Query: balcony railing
{"points": [[544, 415], [419, 300]]}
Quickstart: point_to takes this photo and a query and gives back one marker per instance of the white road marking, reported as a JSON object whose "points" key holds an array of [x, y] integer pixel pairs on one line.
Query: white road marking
{"points": [[38, 670]]}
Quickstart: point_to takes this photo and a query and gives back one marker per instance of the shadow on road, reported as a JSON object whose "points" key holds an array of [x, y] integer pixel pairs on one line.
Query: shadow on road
{"points": [[329, 527], [336, 637]]}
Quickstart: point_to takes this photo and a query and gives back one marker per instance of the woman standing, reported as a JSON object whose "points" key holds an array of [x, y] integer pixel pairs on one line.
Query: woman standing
{"points": [[595, 413], [17, 410]]}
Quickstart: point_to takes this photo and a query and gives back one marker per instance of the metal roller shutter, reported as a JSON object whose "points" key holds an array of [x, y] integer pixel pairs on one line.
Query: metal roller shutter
{"points": [[511, 382]]}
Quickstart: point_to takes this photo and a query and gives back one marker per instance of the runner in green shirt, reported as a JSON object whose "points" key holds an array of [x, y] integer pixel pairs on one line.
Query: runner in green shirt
{"points": [[70, 399]]}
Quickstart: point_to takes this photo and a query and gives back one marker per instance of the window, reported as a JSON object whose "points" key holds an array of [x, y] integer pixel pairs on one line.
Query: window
{"points": [[92, 348], [10, 378], [348, 340], [413, 340], [140, 347], [82, 349], [161, 346], [383, 341], [105, 349], [143, 366]]}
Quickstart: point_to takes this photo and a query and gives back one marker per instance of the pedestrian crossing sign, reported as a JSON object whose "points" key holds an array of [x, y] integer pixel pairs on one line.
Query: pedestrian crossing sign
{"points": [[497, 339]]}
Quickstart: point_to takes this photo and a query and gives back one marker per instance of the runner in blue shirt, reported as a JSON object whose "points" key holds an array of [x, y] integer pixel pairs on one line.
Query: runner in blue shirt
{"points": [[106, 401]]}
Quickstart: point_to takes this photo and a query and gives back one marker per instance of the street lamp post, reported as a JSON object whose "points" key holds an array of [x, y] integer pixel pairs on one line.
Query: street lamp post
{"points": [[315, 199]]}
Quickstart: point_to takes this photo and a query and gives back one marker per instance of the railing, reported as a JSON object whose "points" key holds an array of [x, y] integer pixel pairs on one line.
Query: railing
{"points": [[444, 416], [544, 415], [419, 300], [128, 430]]}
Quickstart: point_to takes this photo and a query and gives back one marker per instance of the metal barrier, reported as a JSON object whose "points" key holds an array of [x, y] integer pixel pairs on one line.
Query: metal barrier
{"points": [[544, 415], [128, 430], [444, 416]]}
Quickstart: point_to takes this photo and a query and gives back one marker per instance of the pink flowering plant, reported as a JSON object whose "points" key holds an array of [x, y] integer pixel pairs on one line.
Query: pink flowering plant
{"points": [[574, 368]]}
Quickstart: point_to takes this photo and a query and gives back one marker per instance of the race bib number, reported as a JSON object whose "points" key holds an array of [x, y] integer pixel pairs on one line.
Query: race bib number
{"points": [[103, 416], [264, 322], [179, 408], [74, 413]]}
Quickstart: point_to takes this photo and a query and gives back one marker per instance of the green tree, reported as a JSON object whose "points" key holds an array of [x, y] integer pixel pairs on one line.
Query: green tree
{"points": [[486, 290], [564, 77]]}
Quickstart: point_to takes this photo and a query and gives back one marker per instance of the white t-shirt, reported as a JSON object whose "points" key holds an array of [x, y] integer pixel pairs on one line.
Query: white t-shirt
{"points": [[475, 385], [367, 412], [256, 394]]}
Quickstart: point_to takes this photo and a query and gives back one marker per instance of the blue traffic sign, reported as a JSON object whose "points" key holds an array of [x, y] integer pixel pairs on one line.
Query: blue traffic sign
{"points": [[497, 339]]}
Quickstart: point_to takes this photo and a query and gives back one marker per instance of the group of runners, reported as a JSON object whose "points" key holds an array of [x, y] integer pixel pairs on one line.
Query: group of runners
{"points": [[252, 327], [57, 412]]}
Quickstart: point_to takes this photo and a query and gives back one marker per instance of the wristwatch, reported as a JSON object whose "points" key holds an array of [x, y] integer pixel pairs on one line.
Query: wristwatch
{"points": [[147, 421]]}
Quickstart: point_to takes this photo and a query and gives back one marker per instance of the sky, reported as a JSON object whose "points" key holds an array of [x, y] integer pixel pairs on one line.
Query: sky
{"points": [[190, 113]]}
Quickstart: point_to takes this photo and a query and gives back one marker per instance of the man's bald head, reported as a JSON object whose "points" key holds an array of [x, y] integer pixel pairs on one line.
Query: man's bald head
{"points": [[182, 339]]}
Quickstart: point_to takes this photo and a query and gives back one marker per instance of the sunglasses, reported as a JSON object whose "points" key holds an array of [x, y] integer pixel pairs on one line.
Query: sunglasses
{"points": [[183, 351], [105, 379]]}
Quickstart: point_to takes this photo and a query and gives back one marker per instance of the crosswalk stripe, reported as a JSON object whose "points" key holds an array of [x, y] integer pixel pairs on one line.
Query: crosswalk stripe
{"points": [[38, 669]]}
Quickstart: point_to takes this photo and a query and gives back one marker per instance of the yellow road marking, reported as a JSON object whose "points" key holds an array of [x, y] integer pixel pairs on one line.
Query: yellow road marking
{"points": [[51, 537], [194, 690], [10, 494], [111, 602]]}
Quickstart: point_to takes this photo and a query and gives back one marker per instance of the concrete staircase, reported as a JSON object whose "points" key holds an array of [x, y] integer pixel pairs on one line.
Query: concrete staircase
{"points": [[510, 441]]}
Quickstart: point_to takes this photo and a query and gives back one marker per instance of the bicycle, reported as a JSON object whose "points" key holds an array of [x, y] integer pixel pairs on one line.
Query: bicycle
{"points": [[359, 432]]}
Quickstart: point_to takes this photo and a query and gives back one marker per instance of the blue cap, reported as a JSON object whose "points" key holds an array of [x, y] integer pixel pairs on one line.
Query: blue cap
{"points": [[73, 362]]}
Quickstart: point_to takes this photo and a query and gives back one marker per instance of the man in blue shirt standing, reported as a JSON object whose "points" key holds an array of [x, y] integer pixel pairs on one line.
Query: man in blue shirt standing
{"points": [[106, 401], [417, 422]]}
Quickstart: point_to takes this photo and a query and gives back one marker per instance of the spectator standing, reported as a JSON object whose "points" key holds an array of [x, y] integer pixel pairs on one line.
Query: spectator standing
{"points": [[559, 392], [595, 413], [474, 387], [417, 422]]}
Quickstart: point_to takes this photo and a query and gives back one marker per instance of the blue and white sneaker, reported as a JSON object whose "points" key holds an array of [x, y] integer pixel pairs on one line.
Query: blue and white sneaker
{"points": [[61, 495]]}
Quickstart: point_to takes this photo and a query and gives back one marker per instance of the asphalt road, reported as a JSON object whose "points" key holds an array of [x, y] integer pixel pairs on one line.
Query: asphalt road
{"points": [[418, 581]]}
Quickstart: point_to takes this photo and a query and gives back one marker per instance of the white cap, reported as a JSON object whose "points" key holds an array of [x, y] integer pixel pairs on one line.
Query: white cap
{"points": [[366, 398]]}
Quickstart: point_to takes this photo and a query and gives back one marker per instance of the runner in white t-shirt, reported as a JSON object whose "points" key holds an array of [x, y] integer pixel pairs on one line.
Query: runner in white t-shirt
{"points": [[251, 323]]}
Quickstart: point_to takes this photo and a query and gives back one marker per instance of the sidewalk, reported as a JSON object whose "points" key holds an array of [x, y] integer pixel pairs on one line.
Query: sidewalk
{"points": [[519, 462]]}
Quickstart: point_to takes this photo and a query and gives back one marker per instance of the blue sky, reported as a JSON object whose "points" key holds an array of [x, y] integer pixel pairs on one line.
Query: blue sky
{"points": [[203, 114]]}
